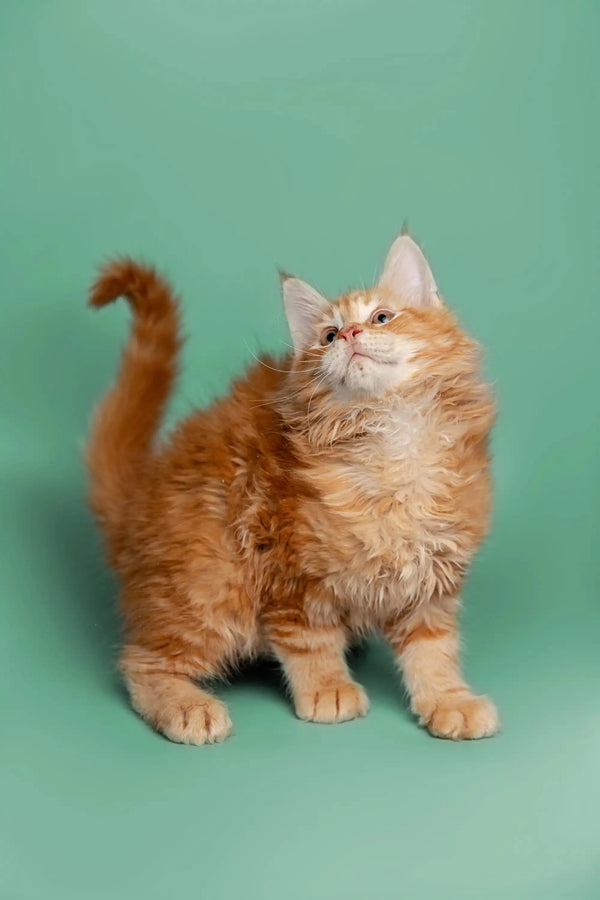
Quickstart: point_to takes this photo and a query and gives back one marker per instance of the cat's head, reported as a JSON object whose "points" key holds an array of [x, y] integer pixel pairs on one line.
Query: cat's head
{"points": [[370, 344]]}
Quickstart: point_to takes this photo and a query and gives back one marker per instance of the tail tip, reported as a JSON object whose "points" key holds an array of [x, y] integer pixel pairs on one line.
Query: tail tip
{"points": [[119, 277]]}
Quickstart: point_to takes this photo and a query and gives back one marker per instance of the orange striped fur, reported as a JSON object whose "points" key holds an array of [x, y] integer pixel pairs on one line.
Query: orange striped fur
{"points": [[341, 489]]}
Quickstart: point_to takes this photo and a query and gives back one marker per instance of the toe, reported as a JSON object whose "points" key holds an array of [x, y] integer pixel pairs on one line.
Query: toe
{"points": [[465, 718], [352, 702], [337, 703], [201, 723]]}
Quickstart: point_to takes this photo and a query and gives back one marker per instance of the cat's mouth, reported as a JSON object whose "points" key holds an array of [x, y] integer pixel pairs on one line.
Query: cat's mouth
{"points": [[359, 354]]}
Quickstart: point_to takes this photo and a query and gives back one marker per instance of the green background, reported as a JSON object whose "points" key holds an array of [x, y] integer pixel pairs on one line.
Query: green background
{"points": [[219, 140]]}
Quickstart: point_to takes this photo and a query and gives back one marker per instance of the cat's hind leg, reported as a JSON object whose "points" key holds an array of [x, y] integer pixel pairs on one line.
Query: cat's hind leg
{"points": [[178, 642], [163, 691]]}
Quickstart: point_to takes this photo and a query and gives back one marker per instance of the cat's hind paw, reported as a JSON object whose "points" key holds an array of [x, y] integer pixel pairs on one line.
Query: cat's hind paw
{"points": [[204, 722]]}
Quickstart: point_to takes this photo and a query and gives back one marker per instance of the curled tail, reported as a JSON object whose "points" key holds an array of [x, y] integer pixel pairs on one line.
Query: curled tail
{"points": [[127, 418]]}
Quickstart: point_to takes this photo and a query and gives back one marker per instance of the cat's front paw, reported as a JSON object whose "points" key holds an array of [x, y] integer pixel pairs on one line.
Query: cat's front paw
{"points": [[462, 717], [334, 703]]}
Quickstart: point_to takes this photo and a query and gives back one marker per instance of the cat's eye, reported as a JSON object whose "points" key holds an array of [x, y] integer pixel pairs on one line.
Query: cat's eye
{"points": [[329, 335], [381, 316]]}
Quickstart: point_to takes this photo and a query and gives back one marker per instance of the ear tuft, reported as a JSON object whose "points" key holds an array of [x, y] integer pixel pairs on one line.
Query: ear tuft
{"points": [[304, 307], [283, 276], [407, 273]]}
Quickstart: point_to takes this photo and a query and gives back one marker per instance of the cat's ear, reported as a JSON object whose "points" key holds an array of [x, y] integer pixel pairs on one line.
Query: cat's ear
{"points": [[304, 307], [408, 275]]}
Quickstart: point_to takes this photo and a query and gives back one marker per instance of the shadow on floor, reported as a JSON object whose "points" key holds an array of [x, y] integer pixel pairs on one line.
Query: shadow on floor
{"points": [[66, 553]]}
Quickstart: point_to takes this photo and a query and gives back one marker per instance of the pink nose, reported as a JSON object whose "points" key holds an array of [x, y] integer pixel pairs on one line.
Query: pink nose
{"points": [[349, 332]]}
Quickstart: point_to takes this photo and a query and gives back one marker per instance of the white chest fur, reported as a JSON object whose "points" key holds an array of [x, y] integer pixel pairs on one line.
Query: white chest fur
{"points": [[393, 540]]}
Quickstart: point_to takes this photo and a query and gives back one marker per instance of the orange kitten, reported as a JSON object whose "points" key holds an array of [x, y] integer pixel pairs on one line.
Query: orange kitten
{"points": [[342, 489]]}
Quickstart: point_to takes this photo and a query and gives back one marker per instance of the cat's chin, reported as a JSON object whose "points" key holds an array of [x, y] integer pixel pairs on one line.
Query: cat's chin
{"points": [[365, 378]]}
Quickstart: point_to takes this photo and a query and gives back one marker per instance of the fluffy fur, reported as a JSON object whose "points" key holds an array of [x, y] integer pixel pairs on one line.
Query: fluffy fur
{"points": [[339, 490]]}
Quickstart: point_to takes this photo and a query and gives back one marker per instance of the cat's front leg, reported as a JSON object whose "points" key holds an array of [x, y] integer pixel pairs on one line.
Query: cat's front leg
{"points": [[427, 650], [313, 660]]}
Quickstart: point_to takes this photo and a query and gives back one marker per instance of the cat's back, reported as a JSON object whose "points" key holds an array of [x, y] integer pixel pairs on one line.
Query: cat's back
{"points": [[214, 453]]}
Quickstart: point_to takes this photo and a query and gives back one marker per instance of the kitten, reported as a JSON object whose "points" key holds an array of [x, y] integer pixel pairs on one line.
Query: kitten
{"points": [[341, 489]]}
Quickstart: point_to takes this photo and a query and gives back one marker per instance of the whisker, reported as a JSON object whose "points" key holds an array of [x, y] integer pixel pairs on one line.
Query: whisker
{"points": [[291, 346], [312, 395], [280, 398], [273, 368]]}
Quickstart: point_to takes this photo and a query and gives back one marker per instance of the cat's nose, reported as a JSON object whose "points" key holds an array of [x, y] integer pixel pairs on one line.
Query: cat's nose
{"points": [[349, 332]]}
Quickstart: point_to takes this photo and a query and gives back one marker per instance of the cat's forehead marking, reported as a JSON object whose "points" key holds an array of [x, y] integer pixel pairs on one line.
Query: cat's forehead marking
{"points": [[356, 307]]}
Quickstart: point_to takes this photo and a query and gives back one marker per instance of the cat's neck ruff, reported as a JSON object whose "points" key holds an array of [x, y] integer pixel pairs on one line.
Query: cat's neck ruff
{"points": [[396, 424]]}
